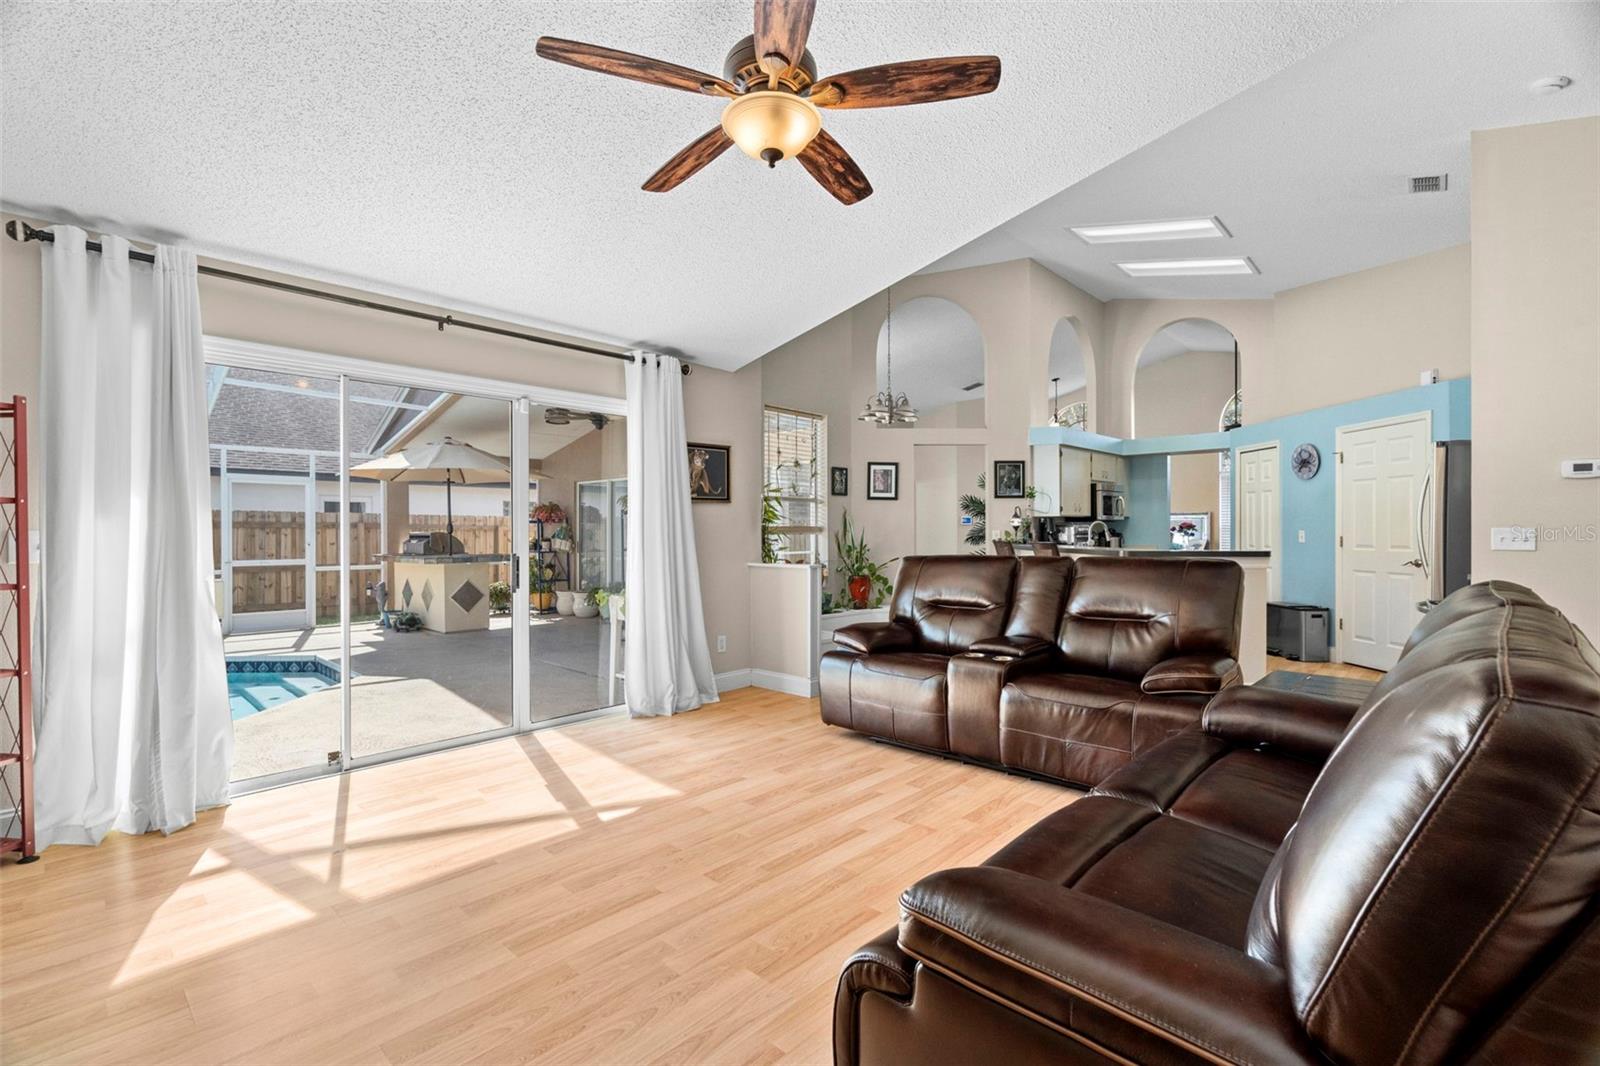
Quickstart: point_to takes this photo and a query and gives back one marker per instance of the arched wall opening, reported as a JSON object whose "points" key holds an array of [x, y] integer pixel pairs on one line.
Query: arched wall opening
{"points": [[1184, 376], [1185, 382], [937, 361], [1070, 376]]}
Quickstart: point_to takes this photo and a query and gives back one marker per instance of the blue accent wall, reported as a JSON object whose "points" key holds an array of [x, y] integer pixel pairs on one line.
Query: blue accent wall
{"points": [[1307, 569], [1149, 502]]}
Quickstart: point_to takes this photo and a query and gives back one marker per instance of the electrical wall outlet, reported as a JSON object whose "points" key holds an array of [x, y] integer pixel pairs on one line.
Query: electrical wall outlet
{"points": [[722, 642], [1514, 538]]}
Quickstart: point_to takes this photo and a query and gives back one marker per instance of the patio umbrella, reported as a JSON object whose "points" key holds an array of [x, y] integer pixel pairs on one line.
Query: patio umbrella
{"points": [[457, 463]]}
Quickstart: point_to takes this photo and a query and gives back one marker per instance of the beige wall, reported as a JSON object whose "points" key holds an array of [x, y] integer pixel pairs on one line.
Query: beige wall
{"points": [[1536, 356], [723, 408], [1370, 332], [1193, 486], [718, 406], [1184, 394]]}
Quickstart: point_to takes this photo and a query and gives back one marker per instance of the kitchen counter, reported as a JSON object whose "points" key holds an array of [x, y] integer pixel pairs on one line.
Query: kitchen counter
{"points": [[1129, 553]]}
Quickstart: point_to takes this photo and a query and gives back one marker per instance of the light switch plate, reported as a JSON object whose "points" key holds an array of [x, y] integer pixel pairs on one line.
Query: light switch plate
{"points": [[1514, 538], [1302, 536]]}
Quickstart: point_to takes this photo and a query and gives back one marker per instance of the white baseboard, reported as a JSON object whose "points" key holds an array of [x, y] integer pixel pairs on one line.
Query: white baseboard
{"points": [[793, 684], [732, 679]]}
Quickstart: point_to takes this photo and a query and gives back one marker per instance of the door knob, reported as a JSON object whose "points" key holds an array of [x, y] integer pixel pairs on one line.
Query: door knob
{"points": [[1413, 562]]}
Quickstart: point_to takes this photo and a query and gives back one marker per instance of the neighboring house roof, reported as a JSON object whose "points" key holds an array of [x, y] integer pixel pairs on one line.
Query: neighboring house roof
{"points": [[303, 414]]}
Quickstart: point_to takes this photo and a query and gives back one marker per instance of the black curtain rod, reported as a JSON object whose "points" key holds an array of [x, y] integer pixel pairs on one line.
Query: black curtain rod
{"points": [[29, 233]]}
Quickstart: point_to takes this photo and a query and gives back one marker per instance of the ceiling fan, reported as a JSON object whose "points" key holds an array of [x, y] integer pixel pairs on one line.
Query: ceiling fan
{"points": [[773, 92]]}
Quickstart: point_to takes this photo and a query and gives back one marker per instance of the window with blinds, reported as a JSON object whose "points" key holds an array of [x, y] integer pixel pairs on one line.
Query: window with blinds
{"points": [[795, 476]]}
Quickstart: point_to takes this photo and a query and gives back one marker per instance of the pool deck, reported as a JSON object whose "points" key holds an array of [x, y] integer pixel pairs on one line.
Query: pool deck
{"points": [[417, 688]]}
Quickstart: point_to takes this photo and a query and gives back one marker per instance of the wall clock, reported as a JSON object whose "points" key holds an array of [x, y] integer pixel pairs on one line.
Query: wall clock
{"points": [[1305, 461]]}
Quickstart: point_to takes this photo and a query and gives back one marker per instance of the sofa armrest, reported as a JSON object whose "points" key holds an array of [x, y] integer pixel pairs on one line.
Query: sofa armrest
{"points": [[868, 637], [1038, 947], [1299, 723], [1017, 647], [1192, 673]]}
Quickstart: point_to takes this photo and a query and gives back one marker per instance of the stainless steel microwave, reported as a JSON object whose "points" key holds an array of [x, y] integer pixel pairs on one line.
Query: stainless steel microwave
{"points": [[1109, 504]]}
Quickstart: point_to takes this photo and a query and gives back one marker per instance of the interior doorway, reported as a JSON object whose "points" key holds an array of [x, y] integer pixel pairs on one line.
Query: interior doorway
{"points": [[944, 473], [1383, 469]]}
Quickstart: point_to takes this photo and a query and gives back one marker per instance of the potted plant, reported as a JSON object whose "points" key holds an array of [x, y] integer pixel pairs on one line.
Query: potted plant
{"points": [[976, 509], [499, 596], [405, 622], [541, 585], [599, 596], [564, 598], [561, 539], [551, 514], [771, 516], [865, 581], [584, 606]]}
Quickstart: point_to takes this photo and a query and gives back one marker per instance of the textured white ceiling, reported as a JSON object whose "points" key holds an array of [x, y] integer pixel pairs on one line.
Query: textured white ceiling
{"points": [[423, 150], [938, 352], [1309, 169]]}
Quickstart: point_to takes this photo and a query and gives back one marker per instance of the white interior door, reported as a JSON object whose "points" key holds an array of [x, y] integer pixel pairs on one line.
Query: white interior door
{"points": [[1259, 514], [1382, 470]]}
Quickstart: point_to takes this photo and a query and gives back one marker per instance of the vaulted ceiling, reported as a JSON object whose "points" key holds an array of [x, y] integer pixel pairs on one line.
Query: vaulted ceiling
{"points": [[1309, 170], [423, 150]]}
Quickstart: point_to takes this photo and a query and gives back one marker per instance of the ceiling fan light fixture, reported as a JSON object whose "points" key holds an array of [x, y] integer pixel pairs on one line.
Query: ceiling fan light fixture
{"points": [[771, 126]]}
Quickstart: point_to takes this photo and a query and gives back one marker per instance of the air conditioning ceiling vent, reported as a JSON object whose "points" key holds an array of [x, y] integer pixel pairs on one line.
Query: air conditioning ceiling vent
{"points": [[974, 385], [1431, 183]]}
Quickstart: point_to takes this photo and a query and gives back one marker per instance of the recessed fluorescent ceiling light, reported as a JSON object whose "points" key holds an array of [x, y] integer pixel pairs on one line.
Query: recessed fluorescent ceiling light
{"points": [[1184, 268], [1180, 229]]}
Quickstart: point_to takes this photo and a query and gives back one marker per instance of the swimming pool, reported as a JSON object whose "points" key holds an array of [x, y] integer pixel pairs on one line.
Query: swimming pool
{"points": [[256, 685]]}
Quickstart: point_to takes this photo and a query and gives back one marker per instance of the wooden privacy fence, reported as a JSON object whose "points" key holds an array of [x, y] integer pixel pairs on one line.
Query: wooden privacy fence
{"points": [[264, 536]]}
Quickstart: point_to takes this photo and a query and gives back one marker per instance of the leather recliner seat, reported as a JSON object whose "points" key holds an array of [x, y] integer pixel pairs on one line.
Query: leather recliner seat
{"points": [[1057, 667], [1412, 879]]}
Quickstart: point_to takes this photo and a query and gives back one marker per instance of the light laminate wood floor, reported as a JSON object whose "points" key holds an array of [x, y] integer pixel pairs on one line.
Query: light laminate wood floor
{"points": [[663, 890]]}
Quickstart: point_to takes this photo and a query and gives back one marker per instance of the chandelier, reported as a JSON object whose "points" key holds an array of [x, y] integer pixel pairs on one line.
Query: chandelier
{"points": [[885, 408], [1072, 416]]}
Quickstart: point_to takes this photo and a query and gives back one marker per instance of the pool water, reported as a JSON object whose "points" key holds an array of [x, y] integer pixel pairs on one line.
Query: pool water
{"points": [[261, 685]]}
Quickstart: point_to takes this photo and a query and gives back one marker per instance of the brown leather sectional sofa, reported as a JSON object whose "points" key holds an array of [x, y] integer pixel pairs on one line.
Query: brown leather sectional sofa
{"points": [[1414, 879], [1057, 667]]}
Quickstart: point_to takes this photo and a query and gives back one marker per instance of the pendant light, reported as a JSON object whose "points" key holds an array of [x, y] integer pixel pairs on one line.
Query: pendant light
{"points": [[885, 408], [1055, 403]]}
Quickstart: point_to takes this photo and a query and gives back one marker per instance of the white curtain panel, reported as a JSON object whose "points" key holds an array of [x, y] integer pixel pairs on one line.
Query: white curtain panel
{"points": [[668, 665], [134, 730]]}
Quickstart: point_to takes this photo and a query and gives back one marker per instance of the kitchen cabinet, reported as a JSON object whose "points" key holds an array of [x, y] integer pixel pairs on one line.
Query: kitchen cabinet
{"points": [[1077, 492], [1103, 466]]}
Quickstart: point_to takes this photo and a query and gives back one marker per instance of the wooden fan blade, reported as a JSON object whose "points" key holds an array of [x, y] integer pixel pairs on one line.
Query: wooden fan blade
{"points": [[636, 67], [782, 27], [916, 81], [690, 161], [828, 162]]}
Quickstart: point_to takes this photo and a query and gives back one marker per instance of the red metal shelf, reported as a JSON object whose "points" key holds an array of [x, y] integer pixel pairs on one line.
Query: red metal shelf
{"points": [[17, 700]]}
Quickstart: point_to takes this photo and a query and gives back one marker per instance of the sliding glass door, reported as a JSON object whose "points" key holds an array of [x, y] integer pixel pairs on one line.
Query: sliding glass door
{"points": [[431, 663], [402, 565]]}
